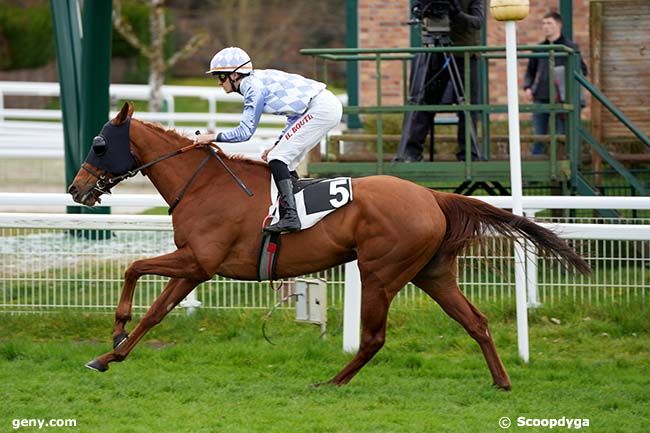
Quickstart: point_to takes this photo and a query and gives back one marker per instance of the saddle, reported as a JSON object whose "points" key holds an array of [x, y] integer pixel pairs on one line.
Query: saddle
{"points": [[301, 183], [315, 199]]}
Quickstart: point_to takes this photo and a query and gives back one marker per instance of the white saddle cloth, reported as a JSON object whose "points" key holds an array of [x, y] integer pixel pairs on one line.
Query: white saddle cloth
{"points": [[315, 201]]}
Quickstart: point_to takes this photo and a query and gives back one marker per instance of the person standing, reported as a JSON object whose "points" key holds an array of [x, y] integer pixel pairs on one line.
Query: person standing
{"points": [[430, 81], [536, 81]]}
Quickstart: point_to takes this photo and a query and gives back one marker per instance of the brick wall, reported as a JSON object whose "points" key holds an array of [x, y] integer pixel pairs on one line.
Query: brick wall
{"points": [[380, 25]]}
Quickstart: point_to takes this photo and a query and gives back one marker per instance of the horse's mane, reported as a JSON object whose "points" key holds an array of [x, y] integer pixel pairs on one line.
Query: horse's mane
{"points": [[176, 136]]}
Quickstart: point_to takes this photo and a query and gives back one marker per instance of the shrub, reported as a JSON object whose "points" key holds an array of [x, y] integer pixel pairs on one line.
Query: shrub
{"points": [[392, 123], [27, 36]]}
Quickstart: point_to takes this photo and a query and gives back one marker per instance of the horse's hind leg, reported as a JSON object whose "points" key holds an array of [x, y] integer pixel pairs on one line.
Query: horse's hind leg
{"points": [[175, 291], [386, 265], [180, 263], [374, 311], [443, 288]]}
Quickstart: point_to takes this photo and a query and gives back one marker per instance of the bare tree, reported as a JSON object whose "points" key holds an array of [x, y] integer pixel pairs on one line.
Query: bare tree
{"points": [[260, 27], [154, 52]]}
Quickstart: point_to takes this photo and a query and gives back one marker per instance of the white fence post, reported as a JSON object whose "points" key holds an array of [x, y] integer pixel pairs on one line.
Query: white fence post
{"points": [[170, 110], [531, 267], [191, 303], [212, 110], [351, 307]]}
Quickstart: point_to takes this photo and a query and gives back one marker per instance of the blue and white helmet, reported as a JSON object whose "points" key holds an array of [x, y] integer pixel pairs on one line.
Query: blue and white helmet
{"points": [[231, 59]]}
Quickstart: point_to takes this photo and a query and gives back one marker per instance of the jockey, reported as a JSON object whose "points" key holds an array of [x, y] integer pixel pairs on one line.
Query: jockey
{"points": [[310, 108]]}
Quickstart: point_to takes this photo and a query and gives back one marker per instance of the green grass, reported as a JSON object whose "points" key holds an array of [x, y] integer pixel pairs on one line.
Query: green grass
{"points": [[155, 211], [214, 372]]}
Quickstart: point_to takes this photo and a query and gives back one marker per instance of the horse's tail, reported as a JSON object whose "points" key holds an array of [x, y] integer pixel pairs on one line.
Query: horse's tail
{"points": [[467, 219]]}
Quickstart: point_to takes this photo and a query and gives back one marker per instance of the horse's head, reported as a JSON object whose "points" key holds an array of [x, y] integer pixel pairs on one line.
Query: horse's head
{"points": [[108, 160]]}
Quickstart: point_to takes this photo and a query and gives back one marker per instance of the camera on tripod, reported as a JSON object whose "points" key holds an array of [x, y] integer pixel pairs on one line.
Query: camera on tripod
{"points": [[434, 17]]}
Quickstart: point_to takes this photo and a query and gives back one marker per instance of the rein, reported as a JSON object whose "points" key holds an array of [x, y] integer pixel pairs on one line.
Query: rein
{"points": [[187, 185], [104, 183], [241, 184]]}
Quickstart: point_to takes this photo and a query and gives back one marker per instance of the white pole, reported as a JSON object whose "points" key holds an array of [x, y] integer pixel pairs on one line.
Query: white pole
{"points": [[191, 303], [170, 110], [531, 268], [212, 109], [513, 117], [351, 307], [515, 182]]}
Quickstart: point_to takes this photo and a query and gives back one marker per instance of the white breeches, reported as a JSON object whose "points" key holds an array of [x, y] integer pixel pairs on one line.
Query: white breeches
{"points": [[323, 114]]}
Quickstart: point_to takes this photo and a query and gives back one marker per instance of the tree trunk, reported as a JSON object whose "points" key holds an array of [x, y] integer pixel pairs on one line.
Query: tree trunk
{"points": [[157, 65], [155, 52]]}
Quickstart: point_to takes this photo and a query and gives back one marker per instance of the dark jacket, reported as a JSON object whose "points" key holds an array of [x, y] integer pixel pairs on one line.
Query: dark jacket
{"points": [[466, 25], [466, 19], [537, 71]]}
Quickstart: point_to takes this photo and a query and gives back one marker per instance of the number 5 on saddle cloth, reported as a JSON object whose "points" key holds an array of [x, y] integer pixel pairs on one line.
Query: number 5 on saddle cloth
{"points": [[315, 199]]}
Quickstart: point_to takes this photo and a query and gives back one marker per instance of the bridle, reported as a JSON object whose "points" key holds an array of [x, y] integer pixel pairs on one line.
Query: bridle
{"points": [[104, 182]]}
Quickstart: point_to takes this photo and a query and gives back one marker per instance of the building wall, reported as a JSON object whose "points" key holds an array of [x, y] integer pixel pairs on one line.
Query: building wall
{"points": [[381, 25], [621, 62]]}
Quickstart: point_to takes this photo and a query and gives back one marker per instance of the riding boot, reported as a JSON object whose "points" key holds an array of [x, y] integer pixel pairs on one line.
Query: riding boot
{"points": [[289, 221]]}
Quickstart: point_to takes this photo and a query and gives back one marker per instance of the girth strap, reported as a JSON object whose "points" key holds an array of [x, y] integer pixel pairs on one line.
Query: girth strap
{"points": [[269, 250]]}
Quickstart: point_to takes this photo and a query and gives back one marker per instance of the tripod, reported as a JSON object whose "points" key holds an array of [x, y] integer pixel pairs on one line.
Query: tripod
{"points": [[426, 87]]}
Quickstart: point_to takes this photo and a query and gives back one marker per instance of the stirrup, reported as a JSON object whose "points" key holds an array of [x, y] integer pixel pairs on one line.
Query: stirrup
{"points": [[287, 224]]}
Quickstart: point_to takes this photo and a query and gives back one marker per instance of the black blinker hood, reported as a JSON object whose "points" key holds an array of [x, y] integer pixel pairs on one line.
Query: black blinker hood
{"points": [[111, 151]]}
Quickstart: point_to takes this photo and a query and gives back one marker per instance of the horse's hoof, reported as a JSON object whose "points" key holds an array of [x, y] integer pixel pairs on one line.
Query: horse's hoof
{"points": [[322, 384], [502, 386], [97, 366], [119, 339]]}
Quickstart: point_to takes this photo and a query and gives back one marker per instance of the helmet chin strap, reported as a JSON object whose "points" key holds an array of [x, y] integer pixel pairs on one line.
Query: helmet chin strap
{"points": [[234, 82]]}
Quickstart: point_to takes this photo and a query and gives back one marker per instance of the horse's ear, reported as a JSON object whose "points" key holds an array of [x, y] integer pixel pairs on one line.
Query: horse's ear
{"points": [[126, 111]]}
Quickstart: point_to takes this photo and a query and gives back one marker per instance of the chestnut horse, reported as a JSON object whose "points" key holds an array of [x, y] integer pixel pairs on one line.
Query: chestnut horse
{"points": [[398, 231]]}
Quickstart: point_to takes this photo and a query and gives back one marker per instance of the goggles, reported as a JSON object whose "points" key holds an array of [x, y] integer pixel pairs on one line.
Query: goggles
{"points": [[222, 76]]}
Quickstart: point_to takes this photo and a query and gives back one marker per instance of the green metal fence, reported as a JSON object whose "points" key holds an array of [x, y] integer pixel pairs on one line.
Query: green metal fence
{"points": [[565, 159]]}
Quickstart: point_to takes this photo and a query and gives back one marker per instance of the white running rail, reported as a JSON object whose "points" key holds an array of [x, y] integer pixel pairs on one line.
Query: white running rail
{"points": [[38, 133], [531, 204]]}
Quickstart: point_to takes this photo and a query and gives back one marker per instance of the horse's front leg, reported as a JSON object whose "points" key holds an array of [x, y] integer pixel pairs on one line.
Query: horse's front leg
{"points": [[175, 291], [179, 264]]}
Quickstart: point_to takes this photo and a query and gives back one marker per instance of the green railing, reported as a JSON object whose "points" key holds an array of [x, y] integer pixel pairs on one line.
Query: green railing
{"points": [[601, 149], [404, 55], [570, 107]]}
